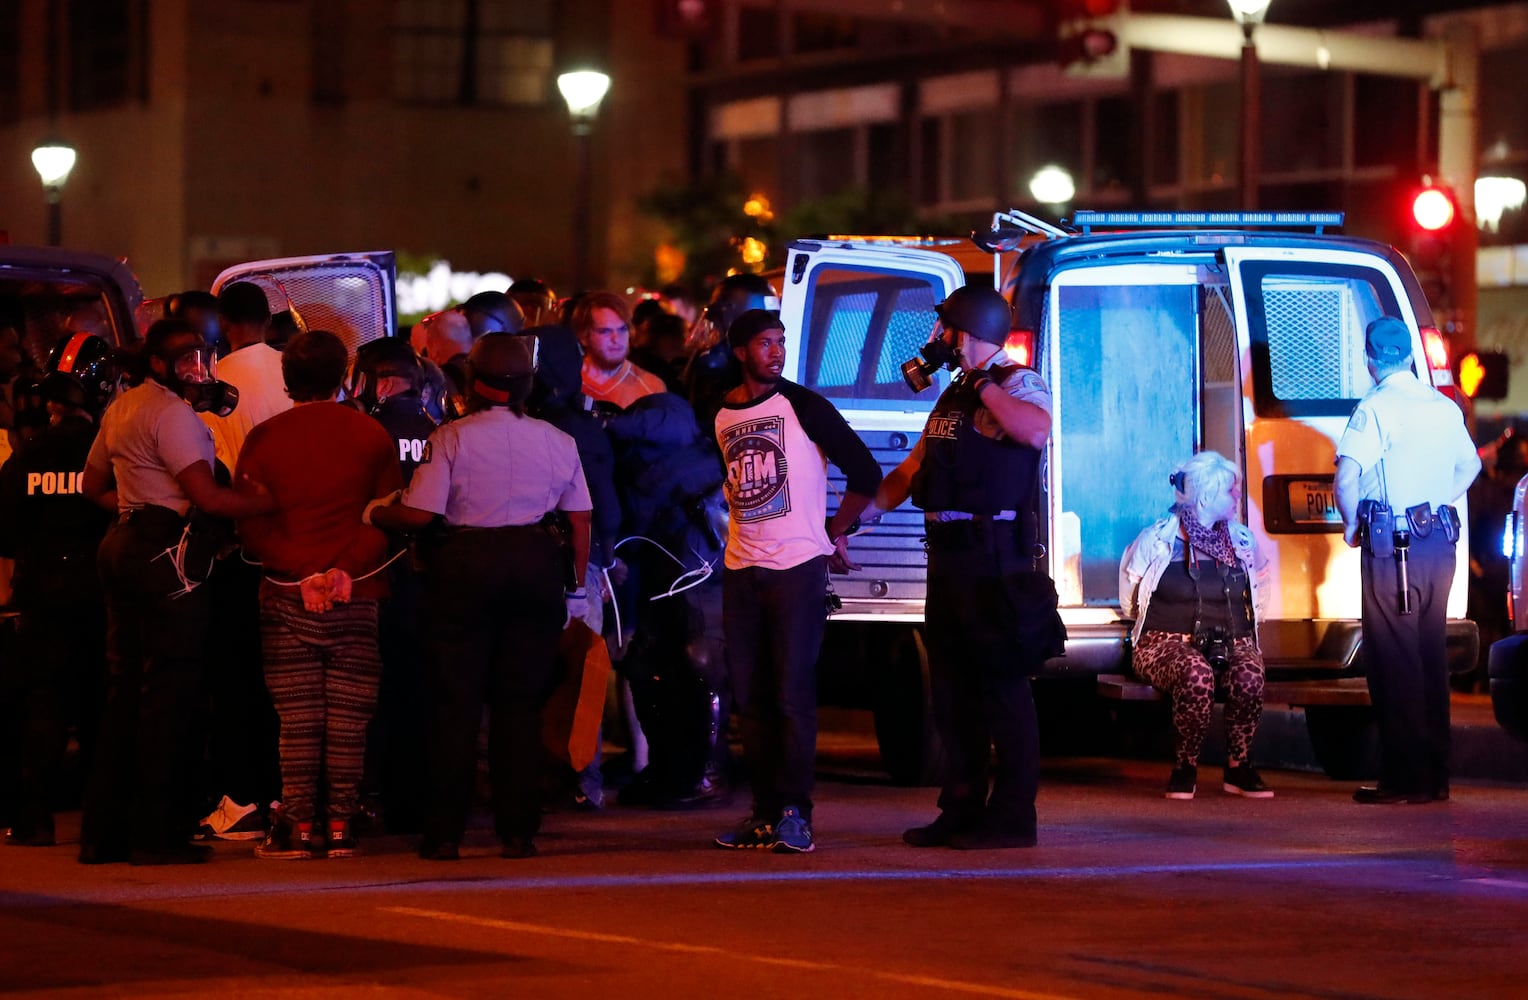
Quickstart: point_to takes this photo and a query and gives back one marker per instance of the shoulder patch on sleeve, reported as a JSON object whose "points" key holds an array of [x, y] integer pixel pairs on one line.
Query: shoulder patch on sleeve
{"points": [[1359, 421]]}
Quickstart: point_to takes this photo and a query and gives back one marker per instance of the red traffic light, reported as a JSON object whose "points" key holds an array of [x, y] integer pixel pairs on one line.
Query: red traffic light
{"points": [[1433, 209]]}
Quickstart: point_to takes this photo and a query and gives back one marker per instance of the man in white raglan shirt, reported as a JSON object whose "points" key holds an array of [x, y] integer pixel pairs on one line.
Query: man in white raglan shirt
{"points": [[776, 439]]}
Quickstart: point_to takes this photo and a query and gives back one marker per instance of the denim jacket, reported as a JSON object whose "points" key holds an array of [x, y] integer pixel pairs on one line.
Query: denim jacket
{"points": [[1155, 548]]}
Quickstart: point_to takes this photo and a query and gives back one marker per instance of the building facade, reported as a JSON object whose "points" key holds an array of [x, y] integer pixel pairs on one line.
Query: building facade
{"points": [[209, 133]]}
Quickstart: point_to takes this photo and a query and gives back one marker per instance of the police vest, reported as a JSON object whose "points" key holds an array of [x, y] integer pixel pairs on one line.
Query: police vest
{"points": [[964, 469], [404, 418]]}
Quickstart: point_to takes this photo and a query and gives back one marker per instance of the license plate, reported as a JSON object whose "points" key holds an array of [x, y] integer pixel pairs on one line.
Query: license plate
{"points": [[1311, 502]]}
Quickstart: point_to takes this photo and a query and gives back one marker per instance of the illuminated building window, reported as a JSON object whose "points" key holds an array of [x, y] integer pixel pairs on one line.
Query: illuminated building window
{"points": [[472, 52]]}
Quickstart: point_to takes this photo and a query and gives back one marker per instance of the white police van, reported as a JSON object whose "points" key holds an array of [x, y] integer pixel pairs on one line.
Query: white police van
{"points": [[1160, 334]]}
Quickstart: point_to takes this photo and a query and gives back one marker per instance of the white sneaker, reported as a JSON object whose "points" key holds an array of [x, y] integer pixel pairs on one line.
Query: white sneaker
{"points": [[231, 821]]}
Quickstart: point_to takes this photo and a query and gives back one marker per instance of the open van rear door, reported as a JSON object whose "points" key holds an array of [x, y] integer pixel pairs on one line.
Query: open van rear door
{"points": [[350, 295], [853, 312], [1300, 319]]}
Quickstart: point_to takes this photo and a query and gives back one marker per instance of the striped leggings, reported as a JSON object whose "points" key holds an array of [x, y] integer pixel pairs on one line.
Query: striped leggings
{"points": [[322, 670]]}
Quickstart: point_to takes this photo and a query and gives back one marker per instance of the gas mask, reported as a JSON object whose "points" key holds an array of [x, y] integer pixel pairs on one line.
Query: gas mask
{"points": [[918, 372], [193, 376]]}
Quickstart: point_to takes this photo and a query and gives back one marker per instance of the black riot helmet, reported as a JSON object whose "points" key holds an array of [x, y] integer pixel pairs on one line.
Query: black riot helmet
{"points": [[501, 368], [83, 372], [733, 296], [978, 310], [375, 360]]}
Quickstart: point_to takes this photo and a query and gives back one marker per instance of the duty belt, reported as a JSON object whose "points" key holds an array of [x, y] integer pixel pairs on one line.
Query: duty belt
{"points": [[952, 516]]}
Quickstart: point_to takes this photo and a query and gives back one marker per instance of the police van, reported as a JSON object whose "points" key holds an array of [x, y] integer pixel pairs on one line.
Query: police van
{"points": [[1160, 334]]}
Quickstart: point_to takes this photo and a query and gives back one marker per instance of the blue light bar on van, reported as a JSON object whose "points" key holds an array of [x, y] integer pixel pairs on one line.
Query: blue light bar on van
{"points": [[1187, 220]]}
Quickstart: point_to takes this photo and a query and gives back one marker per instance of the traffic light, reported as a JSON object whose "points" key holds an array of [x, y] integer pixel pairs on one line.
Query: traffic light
{"points": [[1432, 209], [1433, 228], [1090, 37], [1483, 374]]}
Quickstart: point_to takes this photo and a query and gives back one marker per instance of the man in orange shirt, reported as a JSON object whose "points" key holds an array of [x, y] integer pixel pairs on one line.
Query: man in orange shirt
{"points": [[603, 325]]}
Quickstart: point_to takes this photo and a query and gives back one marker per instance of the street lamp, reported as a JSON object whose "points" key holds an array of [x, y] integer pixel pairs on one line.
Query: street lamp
{"points": [[1249, 14], [582, 90], [53, 159]]}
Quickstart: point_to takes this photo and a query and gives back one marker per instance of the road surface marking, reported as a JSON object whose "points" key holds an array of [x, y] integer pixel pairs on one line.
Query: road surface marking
{"points": [[933, 982]]}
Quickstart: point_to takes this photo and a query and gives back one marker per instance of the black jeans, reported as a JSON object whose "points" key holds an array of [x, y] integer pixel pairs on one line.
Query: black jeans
{"points": [[494, 606], [59, 671], [138, 795], [773, 621], [1405, 657]]}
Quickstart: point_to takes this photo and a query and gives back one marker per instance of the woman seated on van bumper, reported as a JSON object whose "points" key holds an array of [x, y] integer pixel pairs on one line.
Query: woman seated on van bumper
{"points": [[1194, 574]]}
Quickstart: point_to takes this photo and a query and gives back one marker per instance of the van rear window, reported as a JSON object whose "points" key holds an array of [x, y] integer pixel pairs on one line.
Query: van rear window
{"points": [[861, 325], [1306, 322]]}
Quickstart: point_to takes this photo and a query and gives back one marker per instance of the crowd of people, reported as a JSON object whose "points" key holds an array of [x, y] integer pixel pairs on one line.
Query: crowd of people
{"points": [[276, 590]]}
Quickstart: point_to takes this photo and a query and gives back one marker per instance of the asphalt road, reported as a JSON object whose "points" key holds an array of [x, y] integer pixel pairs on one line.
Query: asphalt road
{"points": [[1127, 895]]}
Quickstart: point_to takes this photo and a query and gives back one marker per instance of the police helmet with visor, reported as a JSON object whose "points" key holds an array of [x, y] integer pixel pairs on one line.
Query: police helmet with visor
{"points": [[733, 296], [383, 358], [83, 372]]}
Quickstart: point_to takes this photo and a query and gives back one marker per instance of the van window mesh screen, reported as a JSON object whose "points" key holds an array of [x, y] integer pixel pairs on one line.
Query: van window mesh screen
{"points": [[906, 331], [844, 345], [1304, 340], [344, 298], [861, 326], [1307, 323]]}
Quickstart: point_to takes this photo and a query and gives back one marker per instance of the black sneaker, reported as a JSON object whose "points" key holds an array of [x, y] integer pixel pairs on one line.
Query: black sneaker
{"points": [[341, 841], [752, 834], [1244, 780], [287, 841], [1183, 782]]}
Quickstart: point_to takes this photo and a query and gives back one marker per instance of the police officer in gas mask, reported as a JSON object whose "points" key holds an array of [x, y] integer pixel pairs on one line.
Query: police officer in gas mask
{"points": [[49, 531], [150, 466], [991, 610]]}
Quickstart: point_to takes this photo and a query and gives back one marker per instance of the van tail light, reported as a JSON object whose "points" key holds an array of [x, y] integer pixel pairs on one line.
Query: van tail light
{"points": [[1436, 349], [1020, 347], [1437, 353]]}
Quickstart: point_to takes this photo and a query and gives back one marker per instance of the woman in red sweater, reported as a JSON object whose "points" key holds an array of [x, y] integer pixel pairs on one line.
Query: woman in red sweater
{"points": [[322, 463]]}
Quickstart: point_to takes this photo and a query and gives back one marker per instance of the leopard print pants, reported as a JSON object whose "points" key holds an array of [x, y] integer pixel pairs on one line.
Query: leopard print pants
{"points": [[1169, 663]]}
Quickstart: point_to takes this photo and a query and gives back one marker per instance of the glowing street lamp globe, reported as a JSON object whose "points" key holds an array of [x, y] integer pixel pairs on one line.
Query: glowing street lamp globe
{"points": [[583, 90], [53, 160]]}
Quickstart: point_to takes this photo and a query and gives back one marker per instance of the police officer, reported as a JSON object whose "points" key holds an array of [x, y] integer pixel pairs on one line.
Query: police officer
{"points": [[1402, 462], [496, 603], [990, 612], [151, 463], [387, 382], [49, 531]]}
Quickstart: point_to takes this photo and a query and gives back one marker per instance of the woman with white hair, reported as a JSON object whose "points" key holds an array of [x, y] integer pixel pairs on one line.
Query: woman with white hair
{"points": [[1190, 583]]}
